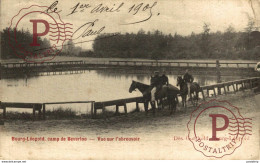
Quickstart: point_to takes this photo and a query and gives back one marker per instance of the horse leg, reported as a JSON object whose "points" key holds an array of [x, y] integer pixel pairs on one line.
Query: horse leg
{"points": [[185, 101], [170, 106], [197, 98], [171, 102], [158, 104], [191, 98], [174, 103], [146, 106], [162, 105], [153, 106]]}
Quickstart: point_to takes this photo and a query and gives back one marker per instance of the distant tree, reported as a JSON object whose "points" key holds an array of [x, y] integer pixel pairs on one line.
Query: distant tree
{"points": [[205, 40], [70, 47], [156, 45], [250, 40], [11, 47]]}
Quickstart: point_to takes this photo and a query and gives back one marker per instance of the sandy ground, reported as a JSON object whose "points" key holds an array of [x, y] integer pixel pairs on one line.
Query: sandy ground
{"points": [[156, 135]]}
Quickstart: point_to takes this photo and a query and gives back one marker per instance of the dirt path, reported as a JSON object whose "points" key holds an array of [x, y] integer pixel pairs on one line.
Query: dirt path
{"points": [[156, 135]]}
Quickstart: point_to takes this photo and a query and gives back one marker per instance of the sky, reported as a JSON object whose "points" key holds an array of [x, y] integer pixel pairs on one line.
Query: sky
{"points": [[168, 16]]}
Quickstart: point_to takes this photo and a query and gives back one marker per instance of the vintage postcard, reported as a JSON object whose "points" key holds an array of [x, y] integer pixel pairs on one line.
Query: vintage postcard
{"points": [[130, 80]]}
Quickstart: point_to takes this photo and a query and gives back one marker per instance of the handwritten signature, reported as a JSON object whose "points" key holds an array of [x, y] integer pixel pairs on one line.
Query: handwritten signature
{"points": [[87, 30]]}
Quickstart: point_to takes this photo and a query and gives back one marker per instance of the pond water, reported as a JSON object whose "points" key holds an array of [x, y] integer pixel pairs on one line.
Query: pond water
{"points": [[96, 85]]}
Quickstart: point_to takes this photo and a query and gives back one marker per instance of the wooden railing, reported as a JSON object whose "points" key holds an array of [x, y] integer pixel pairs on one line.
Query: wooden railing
{"points": [[182, 64], [40, 107], [225, 86], [131, 63], [70, 102], [33, 106], [249, 83], [27, 64], [117, 103]]}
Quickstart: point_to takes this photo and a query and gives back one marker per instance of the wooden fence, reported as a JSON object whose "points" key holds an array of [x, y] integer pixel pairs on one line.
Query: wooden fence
{"points": [[27, 64], [39, 107], [34, 106], [243, 83], [130, 63], [182, 64], [225, 86], [237, 85], [13, 70]]}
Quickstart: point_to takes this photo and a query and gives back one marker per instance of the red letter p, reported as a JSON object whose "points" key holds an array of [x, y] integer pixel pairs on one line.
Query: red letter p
{"points": [[35, 34], [214, 125]]}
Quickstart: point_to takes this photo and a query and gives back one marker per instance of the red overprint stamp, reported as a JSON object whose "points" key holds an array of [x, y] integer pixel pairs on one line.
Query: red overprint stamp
{"points": [[216, 128], [45, 30]]}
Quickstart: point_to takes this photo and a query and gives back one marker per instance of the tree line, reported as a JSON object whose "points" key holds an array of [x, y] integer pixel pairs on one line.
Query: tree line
{"points": [[19, 40], [153, 45], [205, 45]]}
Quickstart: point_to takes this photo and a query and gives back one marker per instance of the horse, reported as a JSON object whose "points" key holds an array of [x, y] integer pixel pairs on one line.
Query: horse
{"points": [[194, 88], [169, 92]]}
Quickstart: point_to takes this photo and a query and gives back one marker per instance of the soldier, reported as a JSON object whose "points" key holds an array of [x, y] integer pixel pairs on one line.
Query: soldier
{"points": [[188, 79], [155, 83], [164, 79]]}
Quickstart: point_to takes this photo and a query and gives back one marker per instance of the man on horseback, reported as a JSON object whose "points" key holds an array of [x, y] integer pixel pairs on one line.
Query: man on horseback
{"points": [[188, 79], [164, 79], [156, 83]]}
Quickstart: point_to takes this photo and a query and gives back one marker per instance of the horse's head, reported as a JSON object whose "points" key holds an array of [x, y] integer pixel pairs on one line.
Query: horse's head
{"points": [[132, 87], [179, 80]]}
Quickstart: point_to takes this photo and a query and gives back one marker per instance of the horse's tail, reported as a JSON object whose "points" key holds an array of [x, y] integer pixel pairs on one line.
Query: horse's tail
{"points": [[198, 88]]}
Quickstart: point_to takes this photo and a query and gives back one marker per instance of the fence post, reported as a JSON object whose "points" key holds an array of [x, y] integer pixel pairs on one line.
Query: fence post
{"points": [[214, 92], [243, 86], [43, 111], [34, 111], [4, 112], [233, 85], [224, 89], [92, 109], [228, 87], [117, 109], [103, 110], [95, 111], [203, 94], [137, 106], [251, 84], [40, 113], [125, 108], [218, 76]]}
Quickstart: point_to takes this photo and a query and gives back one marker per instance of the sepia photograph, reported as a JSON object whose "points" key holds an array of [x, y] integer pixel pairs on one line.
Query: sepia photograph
{"points": [[129, 80]]}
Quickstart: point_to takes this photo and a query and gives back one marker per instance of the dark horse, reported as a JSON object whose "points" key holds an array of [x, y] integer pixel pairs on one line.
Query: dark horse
{"points": [[169, 92], [194, 88]]}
